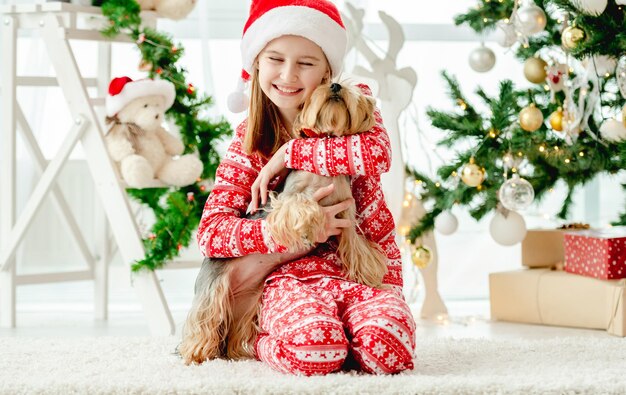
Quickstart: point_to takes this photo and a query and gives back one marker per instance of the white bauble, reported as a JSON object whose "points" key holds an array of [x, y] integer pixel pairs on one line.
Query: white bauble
{"points": [[620, 74], [590, 7], [482, 59], [600, 64], [613, 130], [446, 223], [507, 229], [505, 34], [531, 19]]}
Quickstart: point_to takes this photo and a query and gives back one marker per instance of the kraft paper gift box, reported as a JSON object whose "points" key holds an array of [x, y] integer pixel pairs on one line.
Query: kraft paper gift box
{"points": [[597, 253], [549, 297], [543, 248]]}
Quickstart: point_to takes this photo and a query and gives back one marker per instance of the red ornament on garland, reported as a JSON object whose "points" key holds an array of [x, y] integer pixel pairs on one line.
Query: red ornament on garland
{"points": [[190, 197], [191, 89]]}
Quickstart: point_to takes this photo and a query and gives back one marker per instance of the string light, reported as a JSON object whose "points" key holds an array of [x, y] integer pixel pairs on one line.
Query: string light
{"points": [[581, 153], [542, 148], [567, 160]]}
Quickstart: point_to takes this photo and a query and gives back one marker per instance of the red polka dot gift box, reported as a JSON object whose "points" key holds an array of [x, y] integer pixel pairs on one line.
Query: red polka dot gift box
{"points": [[598, 253]]}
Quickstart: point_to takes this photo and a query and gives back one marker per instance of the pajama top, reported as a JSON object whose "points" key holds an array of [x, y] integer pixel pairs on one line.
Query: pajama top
{"points": [[224, 232]]}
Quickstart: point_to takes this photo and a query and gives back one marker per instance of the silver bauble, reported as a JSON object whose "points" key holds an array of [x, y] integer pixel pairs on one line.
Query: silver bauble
{"points": [[516, 193], [482, 59], [531, 19]]}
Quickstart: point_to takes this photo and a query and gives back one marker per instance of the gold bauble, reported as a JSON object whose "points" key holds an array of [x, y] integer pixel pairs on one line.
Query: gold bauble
{"points": [[556, 120], [571, 36], [421, 256], [472, 174], [535, 70], [530, 118]]}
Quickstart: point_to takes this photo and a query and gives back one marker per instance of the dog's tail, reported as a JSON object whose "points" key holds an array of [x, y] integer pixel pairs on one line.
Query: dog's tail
{"points": [[206, 330], [363, 260]]}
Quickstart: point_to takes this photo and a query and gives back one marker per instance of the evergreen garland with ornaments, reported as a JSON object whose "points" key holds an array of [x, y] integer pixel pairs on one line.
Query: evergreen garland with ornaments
{"points": [[568, 126], [177, 210]]}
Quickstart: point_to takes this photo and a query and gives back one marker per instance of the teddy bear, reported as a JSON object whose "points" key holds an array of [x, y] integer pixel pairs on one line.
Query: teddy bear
{"points": [[172, 9], [136, 141]]}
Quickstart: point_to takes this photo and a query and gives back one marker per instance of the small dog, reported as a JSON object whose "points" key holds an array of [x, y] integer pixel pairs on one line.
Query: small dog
{"points": [[294, 220]]}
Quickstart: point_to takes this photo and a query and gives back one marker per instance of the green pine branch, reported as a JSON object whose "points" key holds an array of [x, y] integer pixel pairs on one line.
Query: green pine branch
{"points": [[177, 210]]}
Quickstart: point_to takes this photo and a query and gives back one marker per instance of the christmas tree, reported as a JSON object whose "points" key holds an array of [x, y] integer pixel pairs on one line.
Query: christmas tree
{"points": [[568, 127], [177, 210]]}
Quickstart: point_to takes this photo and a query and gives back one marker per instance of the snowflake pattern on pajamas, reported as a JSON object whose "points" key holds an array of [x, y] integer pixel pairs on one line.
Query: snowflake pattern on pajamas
{"points": [[340, 317]]}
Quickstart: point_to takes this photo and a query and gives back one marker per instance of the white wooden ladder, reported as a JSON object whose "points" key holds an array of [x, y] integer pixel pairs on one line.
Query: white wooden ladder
{"points": [[56, 24]]}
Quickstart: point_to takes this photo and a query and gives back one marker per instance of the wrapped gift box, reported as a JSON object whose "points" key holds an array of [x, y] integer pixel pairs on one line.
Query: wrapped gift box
{"points": [[543, 248], [596, 253], [544, 296]]}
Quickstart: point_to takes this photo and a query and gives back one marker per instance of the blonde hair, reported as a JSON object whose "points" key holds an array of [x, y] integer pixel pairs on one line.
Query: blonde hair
{"points": [[264, 123]]}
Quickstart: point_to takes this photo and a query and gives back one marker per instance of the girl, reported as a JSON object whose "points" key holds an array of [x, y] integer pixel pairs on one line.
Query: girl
{"points": [[312, 318]]}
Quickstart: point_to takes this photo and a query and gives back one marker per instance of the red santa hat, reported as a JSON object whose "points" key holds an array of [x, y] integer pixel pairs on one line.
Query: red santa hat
{"points": [[316, 20], [123, 90]]}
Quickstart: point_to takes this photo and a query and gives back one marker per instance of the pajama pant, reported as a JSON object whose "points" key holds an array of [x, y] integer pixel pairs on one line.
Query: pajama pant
{"points": [[311, 326]]}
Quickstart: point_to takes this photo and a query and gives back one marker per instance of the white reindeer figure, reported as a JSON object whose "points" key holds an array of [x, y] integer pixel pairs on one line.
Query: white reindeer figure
{"points": [[395, 90]]}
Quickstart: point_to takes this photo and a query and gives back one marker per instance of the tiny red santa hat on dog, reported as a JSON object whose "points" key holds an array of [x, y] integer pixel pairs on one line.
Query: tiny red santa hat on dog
{"points": [[123, 90], [316, 20]]}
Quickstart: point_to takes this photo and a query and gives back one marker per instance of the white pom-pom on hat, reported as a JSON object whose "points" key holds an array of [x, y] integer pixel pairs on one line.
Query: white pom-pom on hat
{"points": [[238, 100]]}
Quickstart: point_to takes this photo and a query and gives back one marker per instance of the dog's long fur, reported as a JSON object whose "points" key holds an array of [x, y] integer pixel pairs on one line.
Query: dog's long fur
{"points": [[294, 220]]}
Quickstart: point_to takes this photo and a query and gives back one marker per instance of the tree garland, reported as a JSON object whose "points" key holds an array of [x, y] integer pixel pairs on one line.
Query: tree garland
{"points": [[498, 133], [177, 210]]}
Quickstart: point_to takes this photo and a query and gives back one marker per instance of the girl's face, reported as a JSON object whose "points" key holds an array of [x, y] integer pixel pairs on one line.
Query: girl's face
{"points": [[290, 68]]}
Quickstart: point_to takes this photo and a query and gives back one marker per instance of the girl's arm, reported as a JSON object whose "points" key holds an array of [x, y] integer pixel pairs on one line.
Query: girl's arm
{"points": [[367, 153], [223, 232]]}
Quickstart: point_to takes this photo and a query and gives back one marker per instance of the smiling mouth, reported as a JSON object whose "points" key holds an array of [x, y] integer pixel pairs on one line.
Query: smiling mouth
{"points": [[287, 91]]}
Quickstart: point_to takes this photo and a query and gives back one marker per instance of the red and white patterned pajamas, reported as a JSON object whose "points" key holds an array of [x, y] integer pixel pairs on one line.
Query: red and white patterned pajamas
{"points": [[377, 333], [310, 326]]}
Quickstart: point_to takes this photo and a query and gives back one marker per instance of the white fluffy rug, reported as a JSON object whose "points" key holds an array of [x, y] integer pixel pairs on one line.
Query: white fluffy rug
{"points": [[126, 365]]}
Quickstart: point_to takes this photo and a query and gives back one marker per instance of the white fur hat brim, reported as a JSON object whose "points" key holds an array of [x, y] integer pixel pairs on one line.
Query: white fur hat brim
{"points": [[297, 21], [135, 89]]}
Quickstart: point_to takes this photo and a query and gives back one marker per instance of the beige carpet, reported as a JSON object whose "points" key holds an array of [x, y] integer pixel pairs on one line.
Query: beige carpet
{"points": [[126, 365]]}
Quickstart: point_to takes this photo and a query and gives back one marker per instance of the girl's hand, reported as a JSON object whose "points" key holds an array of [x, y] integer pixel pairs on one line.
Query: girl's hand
{"points": [[334, 225], [275, 167]]}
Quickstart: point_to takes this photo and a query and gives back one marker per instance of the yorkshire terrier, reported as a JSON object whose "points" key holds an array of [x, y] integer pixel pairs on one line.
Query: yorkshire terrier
{"points": [[213, 328]]}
